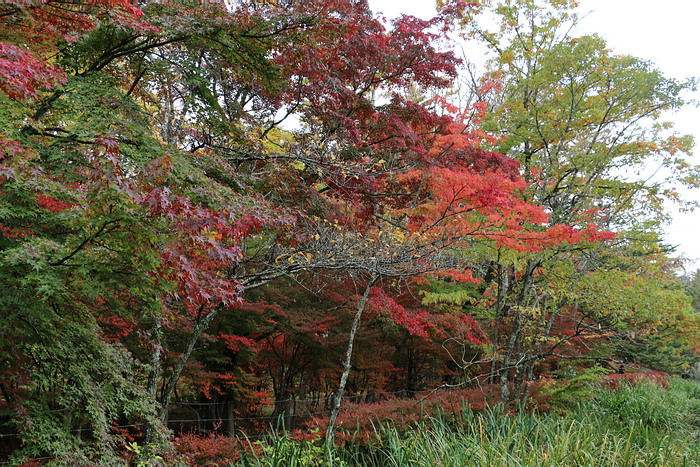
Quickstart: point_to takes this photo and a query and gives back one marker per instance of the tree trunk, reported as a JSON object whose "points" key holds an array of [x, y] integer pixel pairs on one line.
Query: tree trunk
{"points": [[330, 430], [530, 366], [177, 370], [283, 409], [513, 351], [153, 374], [509, 351], [502, 281]]}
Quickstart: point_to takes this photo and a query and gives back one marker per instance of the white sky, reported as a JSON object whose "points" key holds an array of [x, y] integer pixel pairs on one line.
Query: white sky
{"points": [[666, 33]]}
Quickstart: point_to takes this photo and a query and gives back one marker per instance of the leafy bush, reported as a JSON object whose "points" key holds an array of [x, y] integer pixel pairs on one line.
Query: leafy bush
{"points": [[358, 423], [575, 387], [194, 449]]}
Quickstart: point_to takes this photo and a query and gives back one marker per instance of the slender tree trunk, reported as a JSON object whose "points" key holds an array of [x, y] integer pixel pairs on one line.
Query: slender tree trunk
{"points": [[177, 370], [502, 281], [153, 374], [152, 386], [528, 374], [519, 381], [508, 357], [347, 363]]}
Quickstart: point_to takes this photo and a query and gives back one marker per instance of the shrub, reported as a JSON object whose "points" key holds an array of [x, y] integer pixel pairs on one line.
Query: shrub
{"points": [[579, 386], [194, 449], [359, 422]]}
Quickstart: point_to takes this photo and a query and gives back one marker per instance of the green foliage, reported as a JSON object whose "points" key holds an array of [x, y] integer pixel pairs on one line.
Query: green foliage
{"points": [[142, 458], [573, 113], [692, 286], [670, 350], [453, 294], [79, 385], [283, 451], [573, 386], [641, 300]]}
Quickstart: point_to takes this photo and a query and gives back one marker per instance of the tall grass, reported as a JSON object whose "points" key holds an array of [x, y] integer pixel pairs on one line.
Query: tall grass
{"points": [[494, 438], [633, 426]]}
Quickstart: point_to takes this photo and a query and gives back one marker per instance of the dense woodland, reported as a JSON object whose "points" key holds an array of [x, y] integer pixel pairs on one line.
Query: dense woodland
{"points": [[278, 208]]}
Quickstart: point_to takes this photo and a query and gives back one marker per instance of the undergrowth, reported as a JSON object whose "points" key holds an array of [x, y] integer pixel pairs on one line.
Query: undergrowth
{"points": [[634, 425]]}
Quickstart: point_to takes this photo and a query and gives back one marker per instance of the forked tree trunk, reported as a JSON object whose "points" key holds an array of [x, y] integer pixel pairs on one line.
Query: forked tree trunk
{"points": [[330, 430], [513, 352]]}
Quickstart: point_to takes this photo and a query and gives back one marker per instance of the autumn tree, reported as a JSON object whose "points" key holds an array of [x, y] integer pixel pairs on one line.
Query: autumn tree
{"points": [[72, 231], [109, 233], [584, 124]]}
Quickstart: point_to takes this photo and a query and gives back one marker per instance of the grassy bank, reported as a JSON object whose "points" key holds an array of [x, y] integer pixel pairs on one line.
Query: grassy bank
{"points": [[643, 425]]}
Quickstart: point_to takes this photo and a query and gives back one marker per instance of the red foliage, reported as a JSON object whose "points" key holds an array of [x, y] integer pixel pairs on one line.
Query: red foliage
{"points": [[50, 21], [51, 204], [205, 243], [460, 326], [23, 75], [212, 449], [422, 322], [39, 26], [422, 161], [349, 55], [115, 328], [234, 342], [14, 232], [538, 397], [358, 422], [414, 321]]}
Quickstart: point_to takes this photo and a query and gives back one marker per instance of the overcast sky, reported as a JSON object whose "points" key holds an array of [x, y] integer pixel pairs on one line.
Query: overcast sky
{"points": [[667, 34]]}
